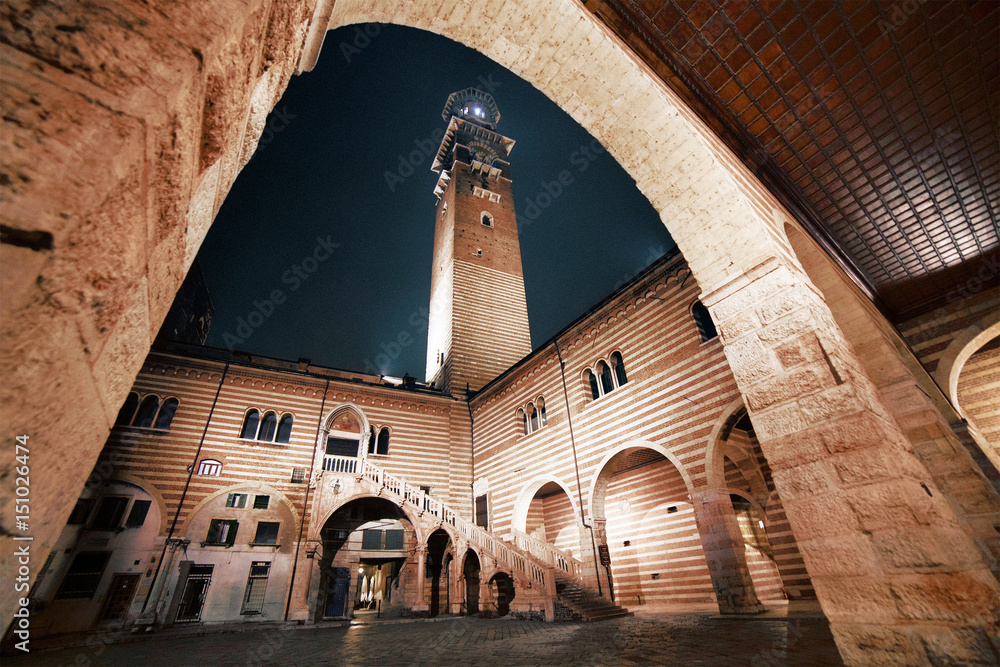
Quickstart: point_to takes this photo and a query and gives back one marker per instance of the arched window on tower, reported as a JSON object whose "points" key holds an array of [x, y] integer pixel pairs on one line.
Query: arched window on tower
{"points": [[487, 219], [127, 412], [619, 367], [703, 320], [147, 412], [383, 442], [284, 429], [166, 414], [542, 419], [250, 424], [268, 425]]}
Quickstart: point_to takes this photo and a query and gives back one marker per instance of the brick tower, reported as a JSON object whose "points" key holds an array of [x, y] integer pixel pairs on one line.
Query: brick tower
{"points": [[478, 324]]}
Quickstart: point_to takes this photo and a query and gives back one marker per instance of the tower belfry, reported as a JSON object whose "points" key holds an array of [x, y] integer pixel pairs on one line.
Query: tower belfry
{"points": [[478, 322]]}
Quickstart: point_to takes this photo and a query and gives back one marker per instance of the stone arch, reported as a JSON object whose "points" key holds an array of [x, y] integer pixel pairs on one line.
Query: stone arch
{"points": [[602, 474], [964, 344], [421, 538], [359, 414], [523, 501], [715, 476]]}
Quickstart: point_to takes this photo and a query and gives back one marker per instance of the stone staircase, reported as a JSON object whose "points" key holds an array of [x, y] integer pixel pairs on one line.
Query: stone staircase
{"points": [[583, 605], [525, 558]]}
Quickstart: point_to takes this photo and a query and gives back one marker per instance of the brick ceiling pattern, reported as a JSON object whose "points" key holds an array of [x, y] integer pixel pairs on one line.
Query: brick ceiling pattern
{"points": [[878, 119]]}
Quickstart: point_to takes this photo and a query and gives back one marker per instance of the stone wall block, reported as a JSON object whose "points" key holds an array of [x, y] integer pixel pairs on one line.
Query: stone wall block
{"points": [[923, 548], [792, 325], [779, 421], [843, 556], [795, 449], [782, 304], [125, 349], [959, 597], [846, 599], [724, 306], [867, 465], [867, 644], [946, 646], [806, 480], [750, 361], [820, 516], [890, 504], [857, 431], [800, 382], [801, 350], [832, 403], [738, 325]]}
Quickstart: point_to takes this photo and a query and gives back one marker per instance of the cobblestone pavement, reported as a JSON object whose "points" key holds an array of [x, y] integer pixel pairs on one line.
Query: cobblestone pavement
{"points": [[664, 639]]}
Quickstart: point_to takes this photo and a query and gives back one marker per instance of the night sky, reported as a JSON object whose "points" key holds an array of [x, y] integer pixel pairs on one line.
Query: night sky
{"points": [[346, 160]]}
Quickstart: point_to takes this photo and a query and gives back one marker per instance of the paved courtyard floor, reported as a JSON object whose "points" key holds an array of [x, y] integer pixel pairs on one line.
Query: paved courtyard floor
{"points": [[649, 638]]}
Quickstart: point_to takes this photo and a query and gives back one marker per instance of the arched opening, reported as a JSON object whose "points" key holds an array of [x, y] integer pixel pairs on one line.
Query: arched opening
{"points": [[437, 573], [502, 592], [470, 575], [550, 517], [772, 557], [367, 563], [651, 532]]}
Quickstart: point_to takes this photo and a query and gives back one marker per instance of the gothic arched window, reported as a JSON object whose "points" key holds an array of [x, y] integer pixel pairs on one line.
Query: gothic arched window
{"points": [[383, 442], [595, 390], [619, 367], [284, 429], [166, 414], [250, 423], [268, 425], [147, 412], [128, 410]]}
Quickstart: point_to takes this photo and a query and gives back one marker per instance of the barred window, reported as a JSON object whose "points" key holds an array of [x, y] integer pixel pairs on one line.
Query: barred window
{"points": [[298, 475], [253, 597], [84, 575]]}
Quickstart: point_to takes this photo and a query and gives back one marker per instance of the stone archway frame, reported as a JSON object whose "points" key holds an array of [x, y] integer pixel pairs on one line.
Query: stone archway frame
{"points": [[965, 343], [325, 430], [715, 475], [522, 503], [599, 480], [419, 536]]}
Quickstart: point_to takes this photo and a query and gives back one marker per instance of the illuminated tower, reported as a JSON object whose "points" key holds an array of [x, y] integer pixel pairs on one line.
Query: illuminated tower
{"points": [[478, 316]]}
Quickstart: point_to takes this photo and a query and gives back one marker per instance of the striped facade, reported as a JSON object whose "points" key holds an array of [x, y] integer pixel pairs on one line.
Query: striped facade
{"points": [[630, 476]]}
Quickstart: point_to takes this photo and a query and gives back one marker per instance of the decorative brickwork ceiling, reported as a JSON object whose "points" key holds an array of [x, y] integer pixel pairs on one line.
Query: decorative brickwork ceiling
{"points": [[874, 122]]}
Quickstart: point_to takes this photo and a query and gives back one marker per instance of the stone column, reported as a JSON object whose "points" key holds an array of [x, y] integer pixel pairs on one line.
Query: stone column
{"points": [[897, 576], [723, 544], [421, 603]]}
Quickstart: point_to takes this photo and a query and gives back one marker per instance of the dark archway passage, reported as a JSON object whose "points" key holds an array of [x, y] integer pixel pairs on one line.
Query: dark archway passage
{"points": [[470, 571], [437, 543]]}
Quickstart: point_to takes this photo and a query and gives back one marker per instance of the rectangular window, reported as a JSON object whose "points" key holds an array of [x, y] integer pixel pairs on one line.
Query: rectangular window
{"points": [[236, 500], [482, 512], [253, 598], [81, 512], [261, 502], [109, 513], [209, 468], [298, 475], [341, 447], [371, 539], [394, 540], [84, 575], [267, 532], [222, 532], [137, 516]]}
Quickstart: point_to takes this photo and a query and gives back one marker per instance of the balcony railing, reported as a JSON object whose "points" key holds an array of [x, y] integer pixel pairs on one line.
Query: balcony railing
{"points": [[348, 464]]}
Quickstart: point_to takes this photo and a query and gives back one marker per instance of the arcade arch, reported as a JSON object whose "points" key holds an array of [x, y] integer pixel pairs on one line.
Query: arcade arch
{"points": [[546, 511]]}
